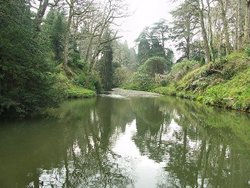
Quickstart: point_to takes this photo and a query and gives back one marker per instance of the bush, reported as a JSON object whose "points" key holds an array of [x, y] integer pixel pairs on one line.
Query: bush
{"points": [[182, 68], [247, 51], [141, 81], [155, 65], [122, 75]]}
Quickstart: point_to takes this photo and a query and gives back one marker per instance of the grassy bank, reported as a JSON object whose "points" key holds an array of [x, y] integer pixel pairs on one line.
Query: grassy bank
{"points": [[224, 83], [72, 90], [79, 92]]}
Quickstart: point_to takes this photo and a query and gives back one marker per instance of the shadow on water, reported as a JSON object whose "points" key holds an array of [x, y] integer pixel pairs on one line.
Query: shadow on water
{"points": [[113, 142]]}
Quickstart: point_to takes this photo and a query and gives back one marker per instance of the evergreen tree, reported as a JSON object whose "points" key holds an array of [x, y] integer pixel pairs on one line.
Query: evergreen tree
{"points": [[143, 48], [106, 67], [53, 32], [157, 49], [26, 79], [57, 37]]}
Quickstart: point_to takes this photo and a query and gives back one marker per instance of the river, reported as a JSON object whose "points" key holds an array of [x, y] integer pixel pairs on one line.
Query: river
{"points": [[141, 142]]}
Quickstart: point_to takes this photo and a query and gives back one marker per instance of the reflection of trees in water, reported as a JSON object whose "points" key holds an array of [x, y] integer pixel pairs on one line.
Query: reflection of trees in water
{"points": [[204, 152], [73, 151], [200, 147], [89, 161], [151, 125]]}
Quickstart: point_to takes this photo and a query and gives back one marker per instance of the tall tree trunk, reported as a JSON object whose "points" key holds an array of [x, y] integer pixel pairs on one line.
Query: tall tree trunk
{"points": [[247, 23], [225, 24], [67, 37], [40, 14], [210, 31], [188, 40], [204, 32], [240, 24]]}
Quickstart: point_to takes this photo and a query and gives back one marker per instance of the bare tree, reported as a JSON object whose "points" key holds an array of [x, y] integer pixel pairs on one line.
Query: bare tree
{"points": [[76, 8], [41, 8], [103, 18]]}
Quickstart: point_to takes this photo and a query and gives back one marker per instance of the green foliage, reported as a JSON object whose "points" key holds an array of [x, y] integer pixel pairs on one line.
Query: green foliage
{"points": [[143, 49], [169, 90], [224, 82], [27, 82], [79, 92], [122, 76], [53, 34], [154, 65], [141, 81], [233, 94], [124, 56], [105, 66], [156, 49], [182, 68], [247, 51]]}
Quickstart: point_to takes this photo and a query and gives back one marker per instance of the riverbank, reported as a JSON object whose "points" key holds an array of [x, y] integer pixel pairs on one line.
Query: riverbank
{"points": [[224, 83]]}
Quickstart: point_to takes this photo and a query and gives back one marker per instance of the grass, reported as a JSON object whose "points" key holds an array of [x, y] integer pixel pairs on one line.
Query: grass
{"points": [[234, 93], [72, 90], [79, 92], [224, 83]]}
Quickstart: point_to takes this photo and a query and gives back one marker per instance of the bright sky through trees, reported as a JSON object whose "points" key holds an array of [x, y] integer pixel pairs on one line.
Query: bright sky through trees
{"points": [[144, 13]]}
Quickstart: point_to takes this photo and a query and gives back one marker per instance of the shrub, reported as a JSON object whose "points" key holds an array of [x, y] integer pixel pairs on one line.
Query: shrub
{"points": [[155, 65], [141, 81], [122, 75]]}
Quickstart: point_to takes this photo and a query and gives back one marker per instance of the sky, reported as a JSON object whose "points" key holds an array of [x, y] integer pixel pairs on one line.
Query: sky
{"points": [[144, 13]]}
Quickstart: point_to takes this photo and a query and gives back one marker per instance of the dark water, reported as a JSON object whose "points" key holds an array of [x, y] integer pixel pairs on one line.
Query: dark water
{"points": [[139, 142]]}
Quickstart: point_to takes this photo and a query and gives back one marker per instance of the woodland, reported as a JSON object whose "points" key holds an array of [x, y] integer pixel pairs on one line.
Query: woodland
{"points": [[52, 50]]}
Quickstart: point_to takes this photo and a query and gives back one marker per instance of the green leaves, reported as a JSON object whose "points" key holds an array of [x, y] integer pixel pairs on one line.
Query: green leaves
{"points": [[27, 79]]}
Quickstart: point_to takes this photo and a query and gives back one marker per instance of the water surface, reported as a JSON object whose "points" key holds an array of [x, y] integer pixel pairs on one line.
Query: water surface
{"points": [[128, 142]]}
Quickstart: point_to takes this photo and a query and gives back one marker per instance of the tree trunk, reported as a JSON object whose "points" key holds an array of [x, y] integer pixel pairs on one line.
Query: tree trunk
{"points": [[204, 32], [247, 23], [188, 40], [210, 32], [40, 13], [240, 25], [225, 24], [66, 46]]}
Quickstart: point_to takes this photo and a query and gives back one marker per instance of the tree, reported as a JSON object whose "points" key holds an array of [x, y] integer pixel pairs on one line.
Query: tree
{"points": [[156, 49], [143, 47], [185, 24], [247, 23], [160, 30], [26, 81], [223, 7], [106, 64], [124, 56], [101, 17], [155, 65], [76, 8], [53, 31]]}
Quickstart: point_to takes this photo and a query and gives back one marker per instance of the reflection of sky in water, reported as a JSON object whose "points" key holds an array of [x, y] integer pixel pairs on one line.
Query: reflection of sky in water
{"points": [[145, 172], [133, 143], [172, 129], [144, 169], [55, 177]]}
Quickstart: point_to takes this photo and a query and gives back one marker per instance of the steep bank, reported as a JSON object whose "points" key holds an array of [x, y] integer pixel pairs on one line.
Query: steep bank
{"points": [[224, 83]]}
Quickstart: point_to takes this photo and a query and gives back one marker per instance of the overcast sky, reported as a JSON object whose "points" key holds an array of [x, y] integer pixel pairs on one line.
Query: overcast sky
{"points": [[144, 13]]}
